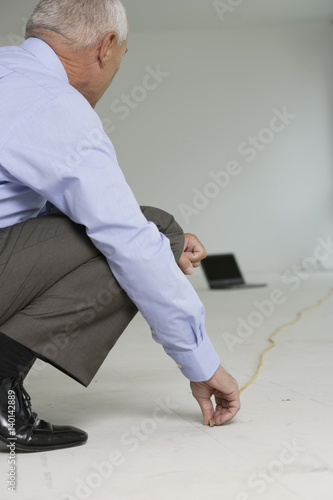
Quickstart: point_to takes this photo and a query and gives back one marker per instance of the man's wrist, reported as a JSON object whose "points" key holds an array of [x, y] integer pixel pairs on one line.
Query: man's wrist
{"points": [[198, 365]]}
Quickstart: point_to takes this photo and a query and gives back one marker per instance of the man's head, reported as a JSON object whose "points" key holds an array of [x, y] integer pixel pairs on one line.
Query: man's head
{"points": [[89, 36], [83, 23]]}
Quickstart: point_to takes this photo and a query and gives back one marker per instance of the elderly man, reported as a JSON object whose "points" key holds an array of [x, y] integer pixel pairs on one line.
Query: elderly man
{"points": [[71, 282]]}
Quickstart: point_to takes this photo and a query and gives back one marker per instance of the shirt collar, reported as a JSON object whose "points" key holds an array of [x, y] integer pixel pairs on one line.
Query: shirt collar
{"points": [[46, 55]]}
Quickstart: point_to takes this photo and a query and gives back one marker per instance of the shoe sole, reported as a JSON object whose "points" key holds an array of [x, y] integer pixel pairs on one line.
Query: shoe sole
{"points": [[36, 449]]}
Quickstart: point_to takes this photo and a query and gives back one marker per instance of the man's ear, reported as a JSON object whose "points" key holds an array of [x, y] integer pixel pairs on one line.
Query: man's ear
{"points": [[106, 47]]}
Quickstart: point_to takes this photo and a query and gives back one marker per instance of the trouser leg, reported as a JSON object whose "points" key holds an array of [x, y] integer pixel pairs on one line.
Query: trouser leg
{"points": [[63, 302], [15, 359]]}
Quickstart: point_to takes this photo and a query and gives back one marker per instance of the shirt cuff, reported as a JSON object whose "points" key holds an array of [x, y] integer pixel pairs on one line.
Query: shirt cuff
{"points": [[198, 365]]}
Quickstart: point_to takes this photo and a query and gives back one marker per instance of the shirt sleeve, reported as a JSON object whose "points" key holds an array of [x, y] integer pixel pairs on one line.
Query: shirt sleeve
{"points": [[60, 151]]}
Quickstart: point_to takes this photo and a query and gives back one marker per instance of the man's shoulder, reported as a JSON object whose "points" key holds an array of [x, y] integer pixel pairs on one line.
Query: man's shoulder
{"points": [[32, 94], [29, 72]]}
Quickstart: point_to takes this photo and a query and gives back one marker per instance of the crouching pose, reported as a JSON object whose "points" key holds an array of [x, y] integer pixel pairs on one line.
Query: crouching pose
{"points": [[74, 276]]}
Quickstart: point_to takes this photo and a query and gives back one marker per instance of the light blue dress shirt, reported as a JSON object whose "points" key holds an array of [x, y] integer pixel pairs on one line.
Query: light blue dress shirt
{"points": [[53, 147]]}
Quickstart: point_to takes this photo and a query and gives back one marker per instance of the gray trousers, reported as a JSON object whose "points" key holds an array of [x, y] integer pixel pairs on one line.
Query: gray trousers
{"points": [[58, 296]]}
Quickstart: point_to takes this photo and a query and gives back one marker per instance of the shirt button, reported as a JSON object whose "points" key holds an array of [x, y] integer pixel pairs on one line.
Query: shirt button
{"points": [[153, 332], [179, 366]]}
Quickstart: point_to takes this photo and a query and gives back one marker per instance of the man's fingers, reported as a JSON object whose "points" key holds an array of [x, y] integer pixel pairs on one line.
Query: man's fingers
{"points": [[192, 255], [224, 388], [225, 410], [194, 248], [188, 262], [221, 415], [185, 264], [207, 409], [193, 258]]}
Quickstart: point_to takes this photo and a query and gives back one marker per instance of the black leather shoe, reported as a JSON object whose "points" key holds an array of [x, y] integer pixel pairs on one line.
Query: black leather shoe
{"points": [[21, 426]]}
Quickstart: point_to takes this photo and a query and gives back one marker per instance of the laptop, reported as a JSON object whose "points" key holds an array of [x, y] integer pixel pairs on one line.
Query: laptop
{"points": [[222, 271]]}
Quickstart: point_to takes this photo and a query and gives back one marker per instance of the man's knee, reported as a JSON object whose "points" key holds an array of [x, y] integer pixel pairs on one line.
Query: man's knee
{"points": [[168, 226]]}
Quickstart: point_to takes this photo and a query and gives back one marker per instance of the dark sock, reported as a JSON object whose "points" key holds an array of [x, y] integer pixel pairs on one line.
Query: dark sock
{"points": [[15, 359]]}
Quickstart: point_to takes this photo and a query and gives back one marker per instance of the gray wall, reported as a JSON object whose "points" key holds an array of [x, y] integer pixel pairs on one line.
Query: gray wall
{"points": [[176, 132]]}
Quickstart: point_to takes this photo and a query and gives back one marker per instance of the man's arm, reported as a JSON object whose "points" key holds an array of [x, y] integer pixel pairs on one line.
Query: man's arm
{"points": [[189, 252], [82, 178], [167, 225], [187, 248]]}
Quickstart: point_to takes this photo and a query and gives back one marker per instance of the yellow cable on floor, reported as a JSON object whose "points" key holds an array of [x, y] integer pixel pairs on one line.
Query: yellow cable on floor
{"points": [[299, 315]]}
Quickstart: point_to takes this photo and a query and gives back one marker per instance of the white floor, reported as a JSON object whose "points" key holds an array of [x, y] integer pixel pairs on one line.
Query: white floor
{"points": [[146, 439]]}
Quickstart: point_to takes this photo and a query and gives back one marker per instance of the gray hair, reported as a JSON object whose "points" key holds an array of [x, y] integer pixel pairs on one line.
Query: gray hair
{"points": [[83, 23]]}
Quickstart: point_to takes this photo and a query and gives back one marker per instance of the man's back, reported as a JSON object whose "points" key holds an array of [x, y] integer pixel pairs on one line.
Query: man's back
{"points": [[25, 82], [29, 88]]}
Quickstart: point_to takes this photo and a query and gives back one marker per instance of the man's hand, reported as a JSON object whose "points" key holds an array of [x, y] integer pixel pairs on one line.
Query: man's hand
{"points": [[192, 255], [225, 389]]}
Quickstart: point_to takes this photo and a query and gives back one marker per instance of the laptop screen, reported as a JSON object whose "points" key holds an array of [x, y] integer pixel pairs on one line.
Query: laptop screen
{"points": [[221, 267]]}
